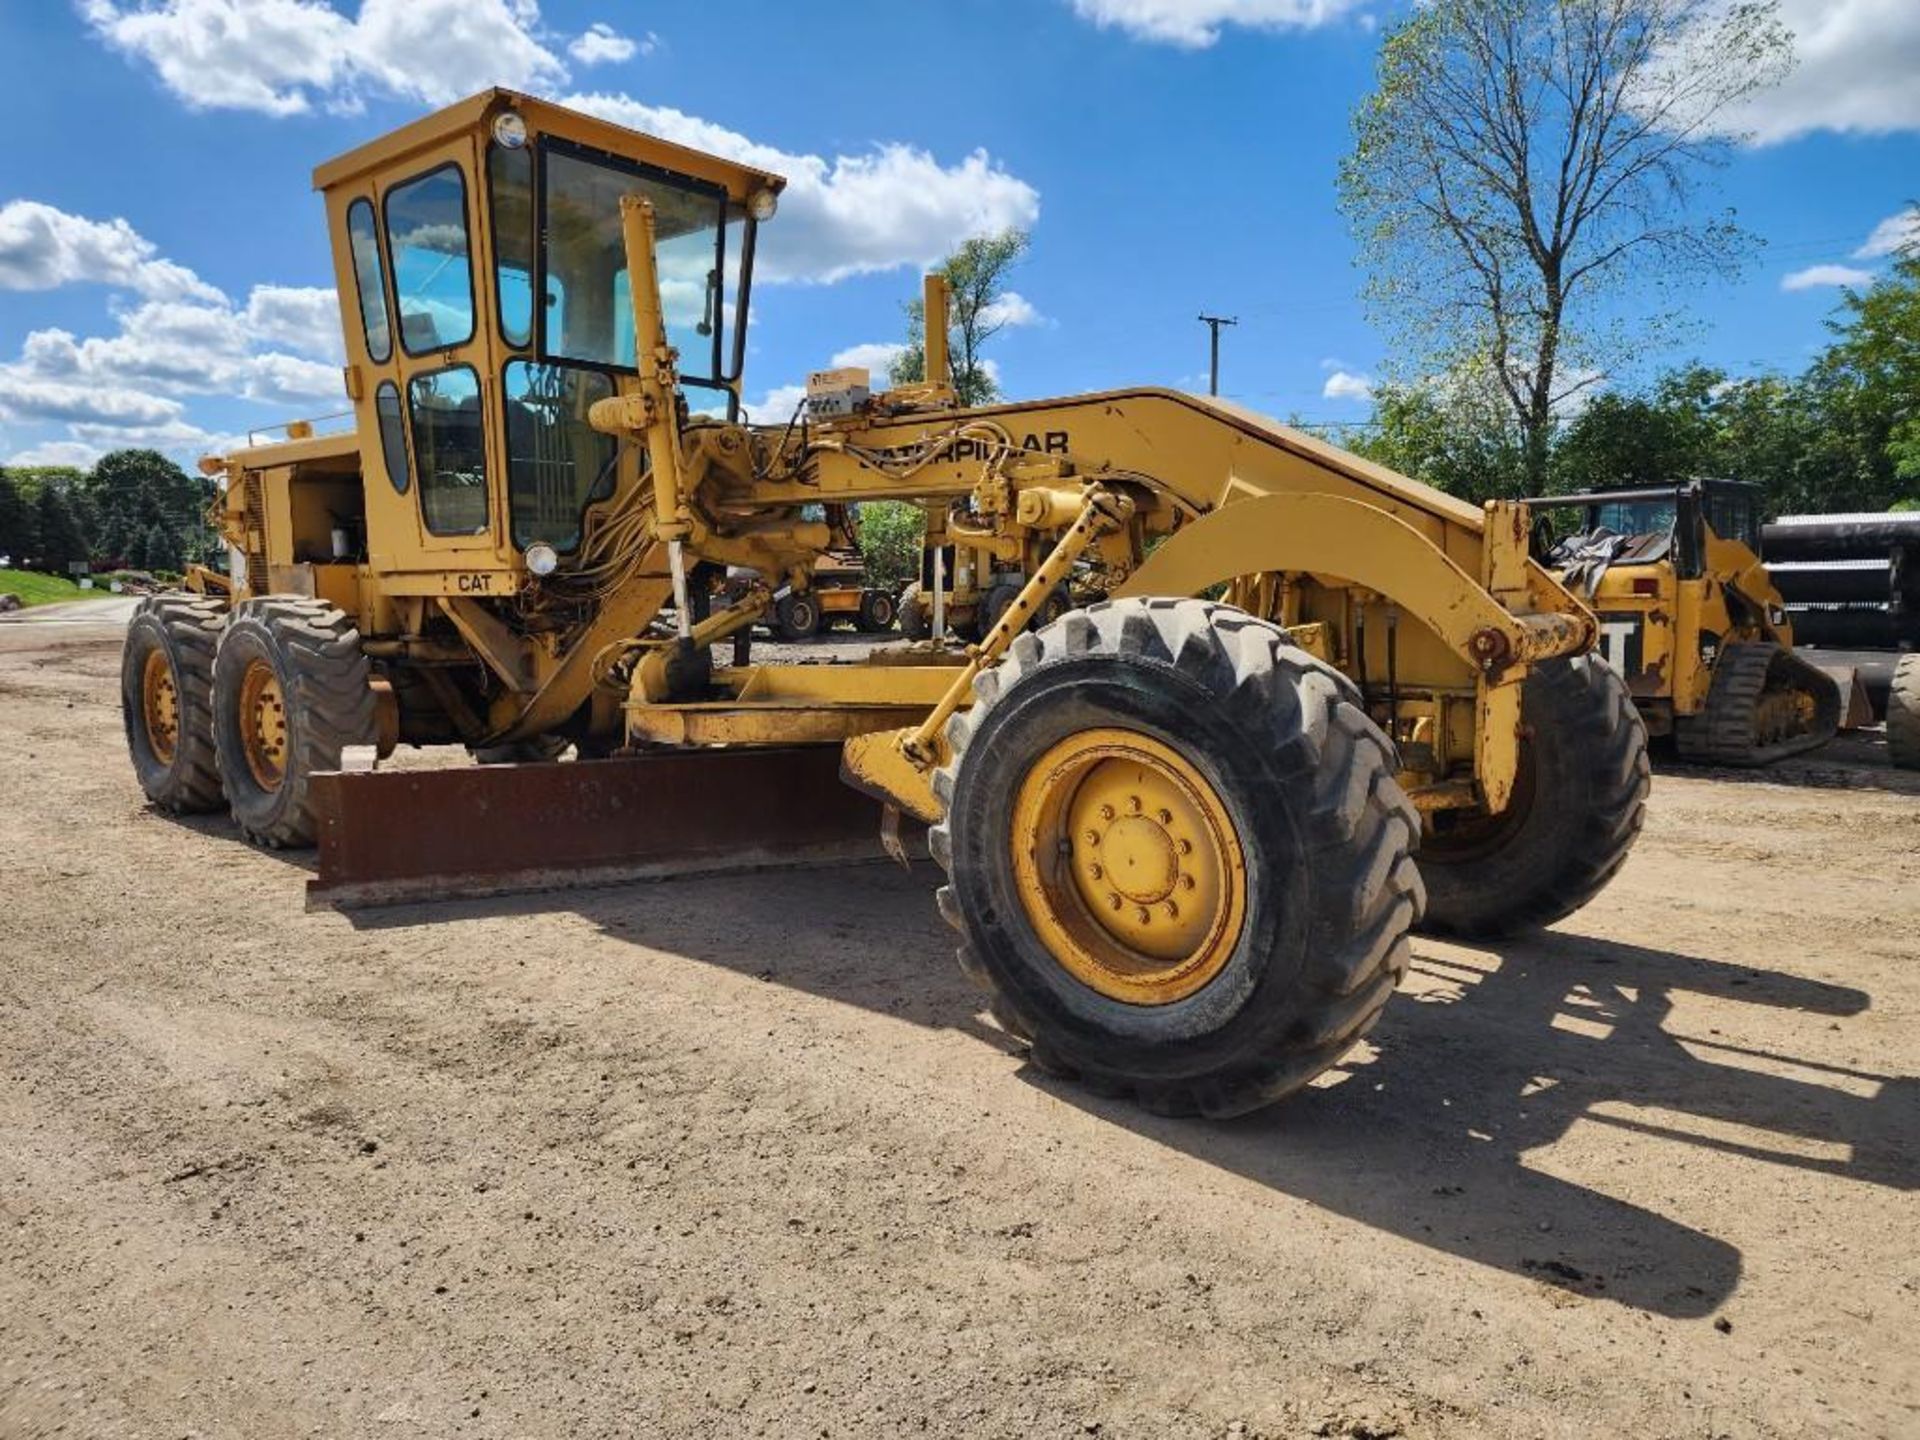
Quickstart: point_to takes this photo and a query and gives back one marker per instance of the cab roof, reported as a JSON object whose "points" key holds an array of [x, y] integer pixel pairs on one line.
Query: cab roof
{"points": [[542, 117]]}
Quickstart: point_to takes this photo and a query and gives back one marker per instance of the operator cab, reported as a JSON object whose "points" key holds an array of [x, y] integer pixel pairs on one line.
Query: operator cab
{"points": [[1648, 525], [486, 307]]}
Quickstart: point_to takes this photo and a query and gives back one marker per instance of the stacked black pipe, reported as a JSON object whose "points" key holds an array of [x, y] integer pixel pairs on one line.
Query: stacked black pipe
{"points": [[1850, 581]]}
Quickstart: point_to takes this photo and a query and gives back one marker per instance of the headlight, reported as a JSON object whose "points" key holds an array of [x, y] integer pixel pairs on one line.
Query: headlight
{"points": [[509, 129], [761, 205], [542, 558]]}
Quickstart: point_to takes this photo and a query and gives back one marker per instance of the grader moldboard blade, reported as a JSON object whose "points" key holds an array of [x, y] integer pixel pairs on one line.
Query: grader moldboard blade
{"points": [[392, 837]]}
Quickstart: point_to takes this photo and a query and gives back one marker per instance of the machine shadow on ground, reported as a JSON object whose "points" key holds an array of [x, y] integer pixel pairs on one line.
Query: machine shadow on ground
{"points": [[1426, 1134]]}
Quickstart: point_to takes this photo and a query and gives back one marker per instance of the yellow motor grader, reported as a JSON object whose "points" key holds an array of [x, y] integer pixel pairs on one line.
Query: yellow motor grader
{"points": [[1178, 832]]}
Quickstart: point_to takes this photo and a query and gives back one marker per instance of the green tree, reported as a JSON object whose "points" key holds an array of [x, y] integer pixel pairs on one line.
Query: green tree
{"points": [[61, 540], [1454, 434], [18, 526], [1523, 169], [891, 533], [1667, 435], [976, 273], [1871, 373], [160, 549], [132, 491]]}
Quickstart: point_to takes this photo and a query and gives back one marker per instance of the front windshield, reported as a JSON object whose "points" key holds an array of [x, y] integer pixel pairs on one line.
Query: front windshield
{"points": [[589, 307], [1635, 517]]}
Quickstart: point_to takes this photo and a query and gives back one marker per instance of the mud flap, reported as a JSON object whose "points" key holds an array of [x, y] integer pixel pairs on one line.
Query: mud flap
{"points": [[390, 837]]}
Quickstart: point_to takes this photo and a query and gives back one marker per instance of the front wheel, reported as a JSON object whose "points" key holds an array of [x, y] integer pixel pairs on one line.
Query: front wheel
{"points": [[1577, 806], [1176, 854]]}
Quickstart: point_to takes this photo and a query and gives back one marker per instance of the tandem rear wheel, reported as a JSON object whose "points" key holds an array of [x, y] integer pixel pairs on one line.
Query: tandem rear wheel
{"points": [[1577, 805], [291, 690], [1176, 854]]}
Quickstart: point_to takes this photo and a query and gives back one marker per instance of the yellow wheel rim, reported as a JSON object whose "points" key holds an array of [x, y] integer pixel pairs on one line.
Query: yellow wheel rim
{"points": [[263, 724], [160, 706], [1128, 866]]}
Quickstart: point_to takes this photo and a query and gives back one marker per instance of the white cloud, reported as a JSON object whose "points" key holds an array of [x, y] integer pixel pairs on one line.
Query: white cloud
{"points": [[602, 44], [128, 387], [30, 398], [1855, 63], [850, 215], [1815, 277], [42, 248], [776, 407], [853, 214], [76, 453], [1344, 385], [873, 355], [1196, 24], [281, 57], [1894, 233], [1013, 309]]}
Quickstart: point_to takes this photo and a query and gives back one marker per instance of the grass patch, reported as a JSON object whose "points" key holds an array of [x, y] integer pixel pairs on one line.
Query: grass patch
{"points": [[34, 588]]}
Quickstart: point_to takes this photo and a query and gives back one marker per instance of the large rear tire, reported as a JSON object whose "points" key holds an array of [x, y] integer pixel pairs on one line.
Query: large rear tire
{"points": [[166, 700], [1903, 714], [290, 692], [1577, 806], [1176, 854]]}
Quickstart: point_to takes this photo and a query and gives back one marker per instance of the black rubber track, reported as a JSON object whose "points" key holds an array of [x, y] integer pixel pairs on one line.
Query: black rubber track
{"points": [[187, 627], [1903, 714], [1576, 810], [1726, 732], [315, 651], [1328, 836]]}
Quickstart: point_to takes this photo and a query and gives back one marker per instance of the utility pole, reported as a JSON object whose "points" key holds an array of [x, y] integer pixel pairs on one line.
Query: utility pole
{"points": [[1213, 324]]}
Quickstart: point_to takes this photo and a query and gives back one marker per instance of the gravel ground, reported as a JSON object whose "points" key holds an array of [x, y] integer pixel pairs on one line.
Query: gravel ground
{"points": [[739, 1156]]}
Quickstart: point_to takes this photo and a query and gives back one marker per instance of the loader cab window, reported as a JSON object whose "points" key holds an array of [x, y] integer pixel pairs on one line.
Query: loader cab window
{"points": [[588, 312], [449, 450], [432, 276], [1732, 514], [369, 278], [1634, 517], [557, 464]]}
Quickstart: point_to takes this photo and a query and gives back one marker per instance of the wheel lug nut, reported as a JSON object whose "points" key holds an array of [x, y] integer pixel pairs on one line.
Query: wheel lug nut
{"points": [[1142, 915], [1106, 812], [1186, 847], [1165, 817], [1186, 882], [1093, 837], [1113, 902], [1095, 871], [1173, 910], [1133, 803]]}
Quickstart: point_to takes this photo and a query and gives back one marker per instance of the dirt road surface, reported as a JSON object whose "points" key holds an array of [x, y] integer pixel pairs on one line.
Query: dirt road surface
{"points": [[740, 1156]]}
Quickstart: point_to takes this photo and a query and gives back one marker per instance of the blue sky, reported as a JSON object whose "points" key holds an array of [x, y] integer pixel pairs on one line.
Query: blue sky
{"points": [[164, 276]]}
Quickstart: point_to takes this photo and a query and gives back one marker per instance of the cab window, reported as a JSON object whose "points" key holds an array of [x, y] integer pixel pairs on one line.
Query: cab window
{"points": [[510, 185], [432, 276], [449, 450], [369, 279], [557, 463]]}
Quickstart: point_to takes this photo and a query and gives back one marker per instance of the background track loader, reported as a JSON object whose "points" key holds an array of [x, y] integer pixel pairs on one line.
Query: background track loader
{"points": [[1178, 833]]}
